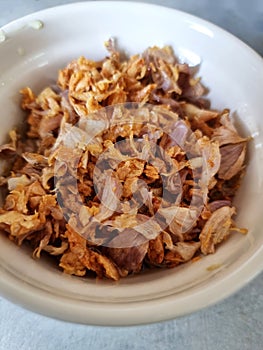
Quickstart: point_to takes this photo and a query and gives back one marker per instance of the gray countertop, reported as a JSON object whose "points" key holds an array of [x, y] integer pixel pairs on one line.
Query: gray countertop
{"points": [[234, 324]]}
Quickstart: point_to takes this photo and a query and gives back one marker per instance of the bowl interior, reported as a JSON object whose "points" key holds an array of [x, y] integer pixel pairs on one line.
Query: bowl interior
{"points": [[234, 75]]}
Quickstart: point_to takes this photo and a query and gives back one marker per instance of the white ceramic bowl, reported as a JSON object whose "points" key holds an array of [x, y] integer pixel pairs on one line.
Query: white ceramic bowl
{"points": [[234, 75]]}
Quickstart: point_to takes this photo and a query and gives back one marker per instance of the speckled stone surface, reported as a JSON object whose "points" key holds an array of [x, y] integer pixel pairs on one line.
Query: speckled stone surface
{"points": [[234, 324]]}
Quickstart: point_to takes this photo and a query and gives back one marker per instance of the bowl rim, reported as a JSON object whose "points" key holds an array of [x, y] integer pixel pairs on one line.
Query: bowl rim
{"points": [[128, 313]]}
